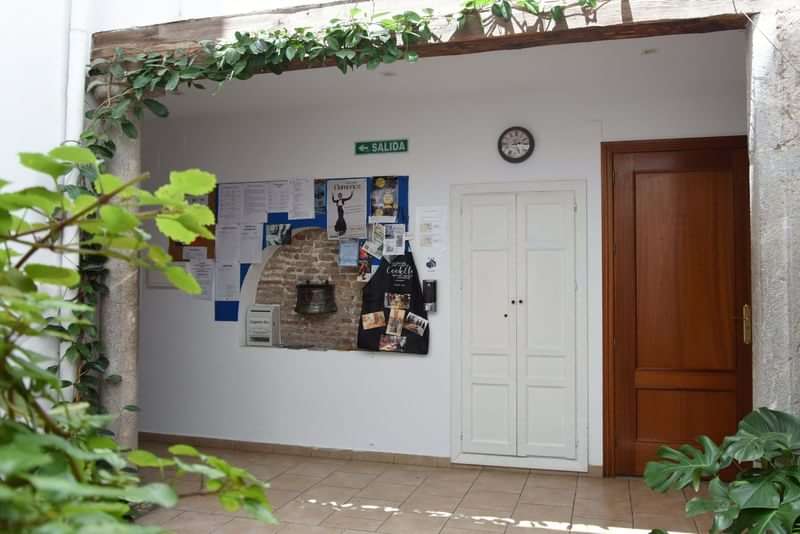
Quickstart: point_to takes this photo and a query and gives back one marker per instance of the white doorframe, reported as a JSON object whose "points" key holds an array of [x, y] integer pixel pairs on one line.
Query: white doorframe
{"points": [[581, 462]]}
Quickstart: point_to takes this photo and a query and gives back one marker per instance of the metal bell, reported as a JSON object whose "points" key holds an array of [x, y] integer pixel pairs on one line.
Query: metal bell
{"points": [[315, 299]]}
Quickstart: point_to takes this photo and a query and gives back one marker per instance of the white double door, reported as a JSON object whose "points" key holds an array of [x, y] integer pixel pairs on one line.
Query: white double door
{"points": [[519, 324]]}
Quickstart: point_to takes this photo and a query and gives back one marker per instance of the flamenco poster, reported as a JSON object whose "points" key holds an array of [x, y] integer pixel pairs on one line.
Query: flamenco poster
{"points": [[347, 208]]}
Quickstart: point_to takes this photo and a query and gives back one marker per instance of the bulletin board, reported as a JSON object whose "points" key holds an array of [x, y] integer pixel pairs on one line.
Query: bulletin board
{"points": [[228, 310]]}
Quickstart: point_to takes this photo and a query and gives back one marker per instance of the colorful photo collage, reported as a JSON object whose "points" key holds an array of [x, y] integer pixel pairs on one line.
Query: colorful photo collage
{"points": [[400, 318]]}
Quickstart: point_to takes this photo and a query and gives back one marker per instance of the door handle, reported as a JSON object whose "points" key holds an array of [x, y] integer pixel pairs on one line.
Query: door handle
{"points": [[747, 325]]}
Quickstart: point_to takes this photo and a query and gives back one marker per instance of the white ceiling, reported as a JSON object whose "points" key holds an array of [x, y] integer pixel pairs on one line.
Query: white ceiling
{"points": [[717, 61]]}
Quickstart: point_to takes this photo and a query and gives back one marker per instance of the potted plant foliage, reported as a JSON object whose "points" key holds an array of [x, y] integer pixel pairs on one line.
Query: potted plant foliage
{"points": [[764, 493]]}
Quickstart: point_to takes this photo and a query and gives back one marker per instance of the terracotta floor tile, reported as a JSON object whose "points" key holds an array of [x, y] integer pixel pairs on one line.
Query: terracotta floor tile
{"points": [[537, 480], [505, 481], [313, 468], [278, 498], [496, 501], [598, 526], [431, 503], [342, 479], [303, 512], [205, 503], [454, 474], [369, 468], [395, 493], [413, 523], [615, 510], [277, 459], [247, 526], [675, 524], [328, 494], [478, 520], [291, 482], [267, 471], [456, 530], [402, 476], [603, 489], [659, 505], [196, 523], [548, 496], [444, 488], [360, 515], [305, 529], [158, 516], [541, 516]]}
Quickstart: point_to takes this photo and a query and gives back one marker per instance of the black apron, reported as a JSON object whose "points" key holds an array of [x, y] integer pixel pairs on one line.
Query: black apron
{"points": [[393, 316]]}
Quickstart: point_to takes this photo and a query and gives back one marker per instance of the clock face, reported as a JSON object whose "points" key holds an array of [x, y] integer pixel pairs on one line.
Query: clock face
{"points": [[515, 144]]}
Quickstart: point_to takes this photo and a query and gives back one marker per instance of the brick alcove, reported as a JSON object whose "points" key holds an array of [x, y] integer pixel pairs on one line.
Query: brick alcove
{"points": [[312, 256]]}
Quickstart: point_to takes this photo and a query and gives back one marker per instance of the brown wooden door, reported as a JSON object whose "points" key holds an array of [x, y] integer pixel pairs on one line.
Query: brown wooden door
{"points": [[678, 271]]}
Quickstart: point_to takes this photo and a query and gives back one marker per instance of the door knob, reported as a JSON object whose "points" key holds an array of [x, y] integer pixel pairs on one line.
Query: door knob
{"points": [[505, 315], [513, 302]]}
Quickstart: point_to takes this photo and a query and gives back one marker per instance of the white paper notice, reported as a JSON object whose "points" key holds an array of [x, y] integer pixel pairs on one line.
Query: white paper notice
{"points": [[227, 243], [301, 204], [229, 209], [250, 236], [195, 253], [254, 203], [226, 282], [278, 196], [203, 272], [394, 243], [431, 228]]}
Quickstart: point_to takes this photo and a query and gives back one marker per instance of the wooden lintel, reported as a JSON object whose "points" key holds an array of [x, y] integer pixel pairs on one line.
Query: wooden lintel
{"points": [[587, 34], [529, 40]]}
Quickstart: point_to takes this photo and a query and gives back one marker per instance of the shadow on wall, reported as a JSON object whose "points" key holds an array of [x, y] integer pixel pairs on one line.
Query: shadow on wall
{"points": [[311, 256]]}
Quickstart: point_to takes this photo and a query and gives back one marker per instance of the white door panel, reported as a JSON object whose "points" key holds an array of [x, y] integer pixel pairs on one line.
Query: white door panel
{"points": [[546, 324], [519, 324], [489, 331]]}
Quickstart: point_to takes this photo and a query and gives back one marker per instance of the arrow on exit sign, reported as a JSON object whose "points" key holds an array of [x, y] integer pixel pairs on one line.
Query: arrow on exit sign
{"points": [[381, 147]]}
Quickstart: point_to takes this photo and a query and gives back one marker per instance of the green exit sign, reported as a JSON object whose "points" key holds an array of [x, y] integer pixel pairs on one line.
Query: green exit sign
{"points": [[381, 147]]}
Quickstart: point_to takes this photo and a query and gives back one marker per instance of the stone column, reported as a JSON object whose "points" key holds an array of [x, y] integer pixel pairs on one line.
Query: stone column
{"points": [[119, 313], [774, 110]]}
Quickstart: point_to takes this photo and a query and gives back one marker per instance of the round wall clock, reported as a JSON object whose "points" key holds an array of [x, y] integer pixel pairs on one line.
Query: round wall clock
{"points": [[516, 144]]}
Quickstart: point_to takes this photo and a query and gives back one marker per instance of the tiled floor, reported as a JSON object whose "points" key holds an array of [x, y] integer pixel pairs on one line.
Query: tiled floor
{"points": [[321, 496]]}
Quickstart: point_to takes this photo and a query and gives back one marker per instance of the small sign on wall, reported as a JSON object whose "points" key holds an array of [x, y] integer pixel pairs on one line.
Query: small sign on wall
{"points": [[381, 147]]}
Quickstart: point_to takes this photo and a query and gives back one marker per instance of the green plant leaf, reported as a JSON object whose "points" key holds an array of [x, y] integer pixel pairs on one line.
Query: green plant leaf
{"points": [[44, 164], [156, 108], [74, 154], [182, 280], [684, 466], [193, 181], [174, 230], [118, 220], [183, 450], [52, 274], [16, 458], [142, 458], [129, 129], [105, 184], [157, 493]]}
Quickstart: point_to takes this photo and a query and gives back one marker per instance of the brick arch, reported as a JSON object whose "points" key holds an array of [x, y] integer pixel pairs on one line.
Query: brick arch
{"points": [[312, 256]]}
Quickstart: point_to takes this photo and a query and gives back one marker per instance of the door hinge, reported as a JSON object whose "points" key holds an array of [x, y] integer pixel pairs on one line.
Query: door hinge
{"points": [[462, 436], [747, 325], [575, 207]]}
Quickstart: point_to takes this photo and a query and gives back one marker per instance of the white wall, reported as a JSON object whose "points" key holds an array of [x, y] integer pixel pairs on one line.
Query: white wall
{"points": [[34, 82], [194, 377]]}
